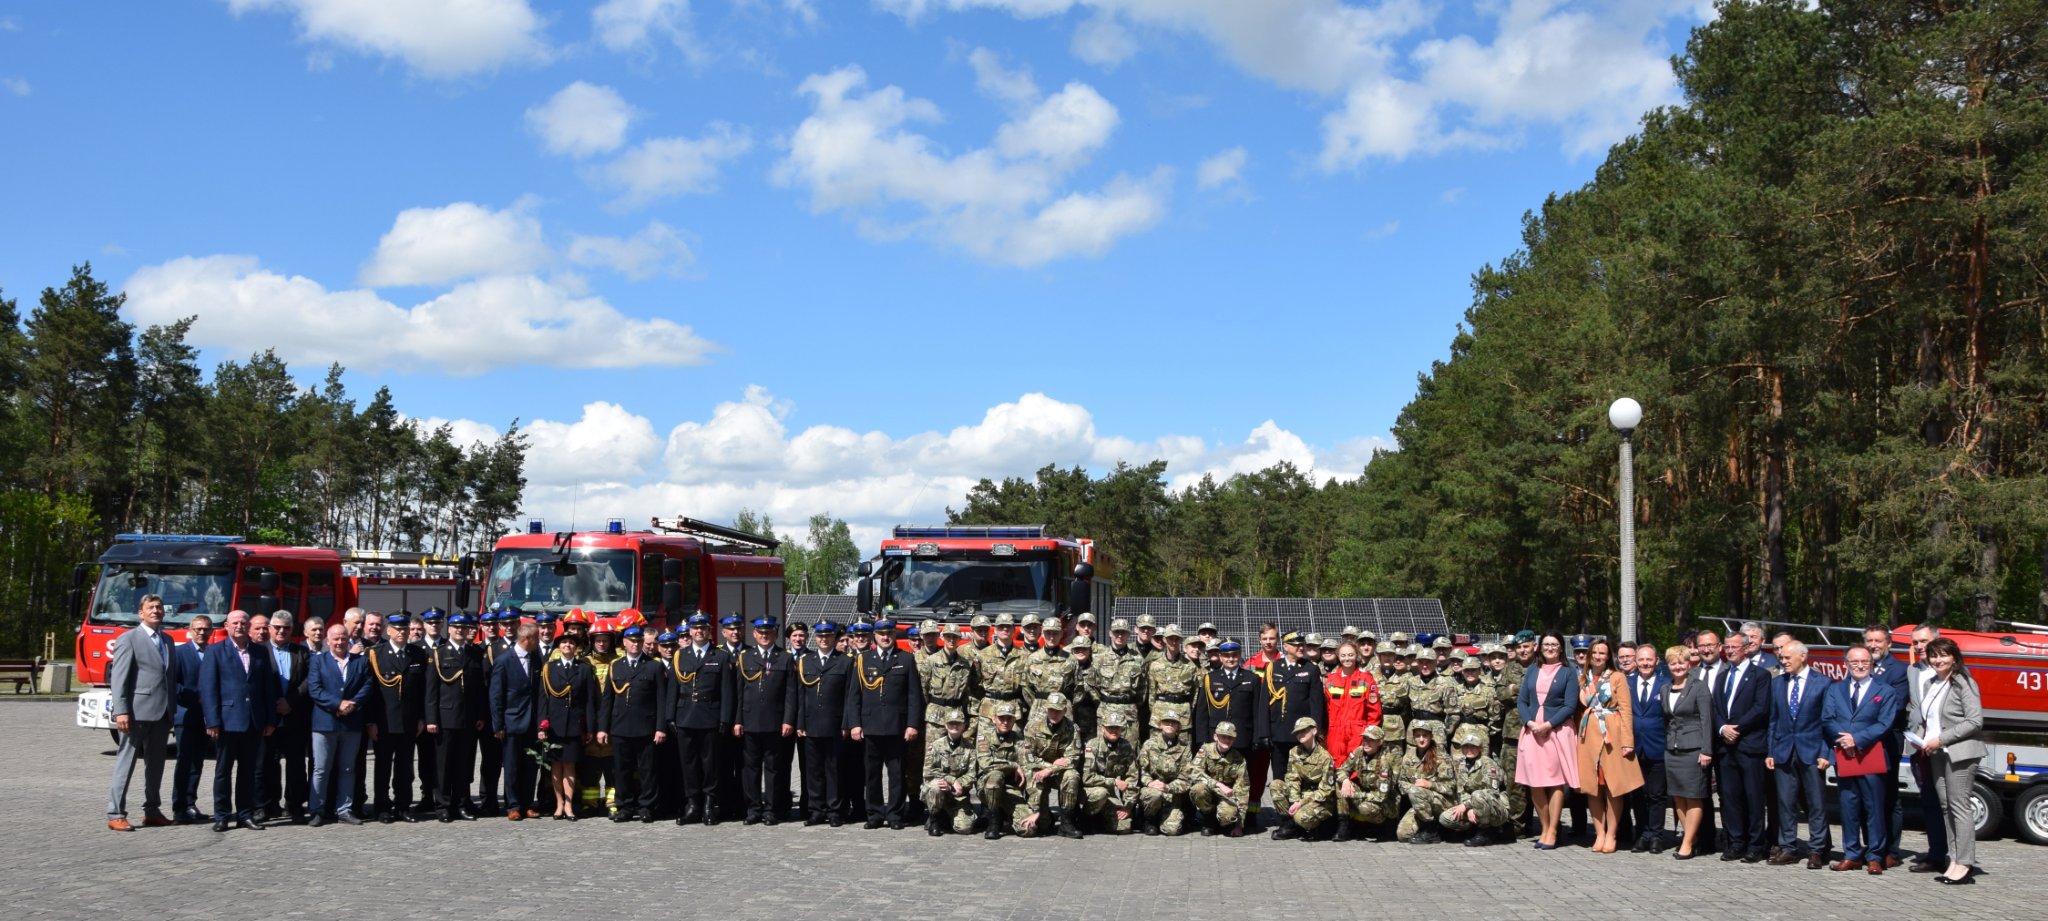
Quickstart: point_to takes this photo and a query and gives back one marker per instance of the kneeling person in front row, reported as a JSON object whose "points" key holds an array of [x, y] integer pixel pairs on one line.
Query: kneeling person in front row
{"points": [[1303, 793], [1165, 774], [999, 754], [1478, 795], [1220, 784], [1050, 748], [1109, 778], [949, 773], [1366, 789], [1427, 780]]}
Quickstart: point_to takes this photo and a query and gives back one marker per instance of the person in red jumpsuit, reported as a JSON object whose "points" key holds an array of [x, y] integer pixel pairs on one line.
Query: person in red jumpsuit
{"points": [[1354, 701]]}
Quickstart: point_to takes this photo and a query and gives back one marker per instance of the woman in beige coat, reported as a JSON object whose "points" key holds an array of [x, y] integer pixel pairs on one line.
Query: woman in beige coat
{"points": [[1607, 744]]}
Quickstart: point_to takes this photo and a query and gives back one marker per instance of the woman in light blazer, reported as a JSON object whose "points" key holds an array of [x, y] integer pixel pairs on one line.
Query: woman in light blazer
{"points": [[1949, 722], [1688, 744]]}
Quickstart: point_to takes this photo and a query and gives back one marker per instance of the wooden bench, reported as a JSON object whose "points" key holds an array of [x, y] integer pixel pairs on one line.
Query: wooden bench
{"points": [[27, 674]]}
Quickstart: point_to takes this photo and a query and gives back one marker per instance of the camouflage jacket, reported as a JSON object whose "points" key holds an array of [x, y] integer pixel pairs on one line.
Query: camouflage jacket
{"points": [[995, 750], [1165, 677], [950, 760], [1411, 770], [1310, 774], [1107, 762], [1118, 679], [1226, 769], [998, 675], [1170, 762], [1372, 773], [1046, 672], [1477, 704], [946, 681], [1508, 686], [1045, 743], [1480, 774]]}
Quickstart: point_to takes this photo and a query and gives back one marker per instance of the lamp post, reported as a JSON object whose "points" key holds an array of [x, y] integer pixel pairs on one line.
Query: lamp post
{"points": [[1625, 415]]}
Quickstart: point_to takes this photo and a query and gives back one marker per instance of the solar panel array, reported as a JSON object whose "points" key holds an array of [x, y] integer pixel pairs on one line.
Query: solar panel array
{"points": [[1237, 618]]}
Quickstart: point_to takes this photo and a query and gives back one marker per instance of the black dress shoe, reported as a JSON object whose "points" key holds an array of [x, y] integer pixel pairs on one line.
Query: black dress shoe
{"points": [[250, 824], [872, 824], [835, 821], [1968, 880], [895, 824], [753, 819], [1754, 857], [220, 825], [813, 820], [447, 816], [348, 818], [770, 821], [1730, 856], [318, 821]]}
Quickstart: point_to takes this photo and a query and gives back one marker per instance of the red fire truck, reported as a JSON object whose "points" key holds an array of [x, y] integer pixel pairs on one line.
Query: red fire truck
{"points": [[213, 574], [949, 573], [679, 566]]}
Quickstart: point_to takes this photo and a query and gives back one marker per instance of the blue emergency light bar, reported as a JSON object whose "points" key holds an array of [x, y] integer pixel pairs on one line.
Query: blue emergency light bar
{"points": [[615, 526], [181, 538], [535, 526], [972, 531]]}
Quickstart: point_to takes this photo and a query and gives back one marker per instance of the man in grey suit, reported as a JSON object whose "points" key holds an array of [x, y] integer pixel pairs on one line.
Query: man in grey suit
{"points": [[144, 678]]}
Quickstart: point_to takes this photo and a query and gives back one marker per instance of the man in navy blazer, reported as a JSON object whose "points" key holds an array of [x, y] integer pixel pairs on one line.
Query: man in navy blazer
{"points": [[514, 721], [338, 688], [1857, 716], [1800, 754], [191, 722], [1742, 719], [238, 687], [1646, 688]]}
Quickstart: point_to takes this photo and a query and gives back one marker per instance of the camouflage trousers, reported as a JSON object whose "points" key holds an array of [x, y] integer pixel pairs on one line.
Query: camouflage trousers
{"points": [[1315, 805], [948, 807], [1424, 805], [1037, 798], [1167, 808], [1226, 810], [1517, 795], [1104, 802], [1488, 809], [1370, 806]]}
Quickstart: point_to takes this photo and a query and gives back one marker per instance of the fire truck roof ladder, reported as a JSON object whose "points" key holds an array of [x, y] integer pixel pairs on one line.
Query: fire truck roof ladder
{"points": [[715, 534]]}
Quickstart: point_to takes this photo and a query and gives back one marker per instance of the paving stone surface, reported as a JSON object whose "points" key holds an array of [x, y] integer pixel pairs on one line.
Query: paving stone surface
{"points": [[58, 861]]}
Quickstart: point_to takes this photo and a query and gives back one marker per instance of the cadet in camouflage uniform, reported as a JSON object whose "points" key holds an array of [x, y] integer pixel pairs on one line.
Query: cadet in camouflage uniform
{"points": [[1109, 780], [1508, 684], [1165, 773], [1048, 671], [999, 755], [999, 674], [1366, 788], [1086, 706], [1427, 781], [949, 777], [1170, 681], [1305, 794], [1472, 700], [1221, 782], [945, 677], [1478, 796], [1117, 682], [1393, 678], [1049, 754]]}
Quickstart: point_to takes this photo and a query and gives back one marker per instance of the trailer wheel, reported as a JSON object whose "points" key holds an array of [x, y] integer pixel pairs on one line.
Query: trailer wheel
{"points": [[2031, 814], [1988, 811]]}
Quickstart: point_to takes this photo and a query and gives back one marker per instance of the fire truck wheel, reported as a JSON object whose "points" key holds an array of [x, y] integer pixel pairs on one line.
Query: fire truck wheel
{"points": [[1988, 809], [2031, 814]]}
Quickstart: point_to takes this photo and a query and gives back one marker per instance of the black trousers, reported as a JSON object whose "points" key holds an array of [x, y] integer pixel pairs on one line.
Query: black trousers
{"points": [[697, 751], [822, 799], [785, 757], [853, 783], [362, 791], [235, 755], [1652, 802], [456, 758], [1742, 800], [884, 760], [192, 754], [427, 754], [633, 774], [519, 769], [730, 758], [1280, 752], [764, 776], [393, 779], [492, 752], [281, 779], [668, 776]]}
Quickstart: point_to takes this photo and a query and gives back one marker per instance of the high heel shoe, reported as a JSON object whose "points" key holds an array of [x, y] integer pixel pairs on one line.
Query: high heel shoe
{"points": [[1969, 878], [1551, 847], [1680, 855]]}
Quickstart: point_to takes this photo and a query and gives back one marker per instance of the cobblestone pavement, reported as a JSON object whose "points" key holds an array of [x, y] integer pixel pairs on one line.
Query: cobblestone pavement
{"points": [[57, 860]]}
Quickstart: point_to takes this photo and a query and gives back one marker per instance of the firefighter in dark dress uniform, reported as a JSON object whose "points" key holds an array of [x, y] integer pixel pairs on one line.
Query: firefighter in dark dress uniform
{"points": [[699, 709], [766, 713]]}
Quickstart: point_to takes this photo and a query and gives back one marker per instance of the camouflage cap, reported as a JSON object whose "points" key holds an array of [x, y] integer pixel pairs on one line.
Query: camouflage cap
{"points": [[1331, 642], [928, 626], [1442, 642], [1470, 734], [1368, 637], [1007, 708], [1468, 660], [1492, 649], [1145, 620], [1169, 717], [979, 621], [954, 716], [1085, 618], [1304, 724], [1434, 728], [1119, 624], [1172, 632], [949, 630], [1079, 643], [1030, 620], [1207, 628], [1410, 651], [1004, 620], [1052, 625], [1398, 638], [1375, 733], [1055, 701], [1349, 631], [1313, 639], [1114, 719], [1226, 728]]}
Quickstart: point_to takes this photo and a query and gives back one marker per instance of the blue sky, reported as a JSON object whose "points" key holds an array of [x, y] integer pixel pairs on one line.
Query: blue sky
{"points": [[801, 255]]}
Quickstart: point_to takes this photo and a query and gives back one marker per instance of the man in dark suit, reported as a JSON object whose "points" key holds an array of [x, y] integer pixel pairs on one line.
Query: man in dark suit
{"points": [[630, 720], [430, 629], [1294, 689], [765, 713], [699, 708], [1900, 680], [338, 687], [457, 712], [731, 749], [397, 718], [821, 679], [281, 776], [1742, 717], [884, 713], [239, 689], [191, 722], [514, 702], [1650, 804], [1800, 756], [1856, 717]]}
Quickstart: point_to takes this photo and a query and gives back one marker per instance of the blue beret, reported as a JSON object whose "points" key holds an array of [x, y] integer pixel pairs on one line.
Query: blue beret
{"points": [[764, 623], [667, 636], [729, 620], [700, 620], [459, 620], [862, 628], [825, 626]]}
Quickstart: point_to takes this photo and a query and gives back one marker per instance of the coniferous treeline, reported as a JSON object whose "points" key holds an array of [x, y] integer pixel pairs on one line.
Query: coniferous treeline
{"points": [[1823, 277], [104, 429]]}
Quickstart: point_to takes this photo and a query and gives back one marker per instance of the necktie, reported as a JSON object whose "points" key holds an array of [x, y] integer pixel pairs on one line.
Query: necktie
{"points": [[1643, 688], [1856, 694], [1734, 682], [163, 648], [1797, 683]]}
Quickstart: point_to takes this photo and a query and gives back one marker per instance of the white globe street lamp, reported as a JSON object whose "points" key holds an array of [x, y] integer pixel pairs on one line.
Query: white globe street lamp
{"points": [[1625, 415]]}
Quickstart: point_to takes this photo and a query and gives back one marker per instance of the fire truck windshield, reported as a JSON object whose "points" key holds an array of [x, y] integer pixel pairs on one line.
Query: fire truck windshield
{"points": [[998, 584], [186, 592], [596, 580]]}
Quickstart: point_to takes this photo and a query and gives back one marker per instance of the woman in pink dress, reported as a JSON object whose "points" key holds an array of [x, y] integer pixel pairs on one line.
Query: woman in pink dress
{"points": [[1547, 757]]}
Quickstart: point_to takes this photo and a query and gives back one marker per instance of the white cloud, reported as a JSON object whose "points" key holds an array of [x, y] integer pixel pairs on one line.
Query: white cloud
{"points": [[667, 167], [656, 249], [628, 25], [477, 326], [465, 432], [581, 120], [744, 456], [9, 24], [437, 38], [1222, 169], [431, 246], [15, 85], [1103, 42], [1004, 203]]}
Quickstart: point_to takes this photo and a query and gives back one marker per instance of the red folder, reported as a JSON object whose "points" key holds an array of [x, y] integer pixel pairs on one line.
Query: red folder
{"points": [[1859, 762]]}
